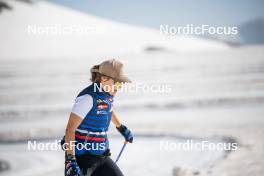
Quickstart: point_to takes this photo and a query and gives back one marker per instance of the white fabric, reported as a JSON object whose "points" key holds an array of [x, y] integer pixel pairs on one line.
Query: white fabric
{"points": [[83, 104], [90, 132]]}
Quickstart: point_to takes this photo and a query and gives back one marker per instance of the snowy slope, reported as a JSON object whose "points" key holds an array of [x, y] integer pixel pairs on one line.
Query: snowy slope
{"points": [[18, 39], [213, 92]]}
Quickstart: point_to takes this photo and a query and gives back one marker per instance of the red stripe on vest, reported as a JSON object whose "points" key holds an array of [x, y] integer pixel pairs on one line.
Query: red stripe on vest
{"points": [[89, 138]]}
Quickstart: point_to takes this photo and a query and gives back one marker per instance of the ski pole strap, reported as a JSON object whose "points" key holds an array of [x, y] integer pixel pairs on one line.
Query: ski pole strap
{"points": [[121, 151]]}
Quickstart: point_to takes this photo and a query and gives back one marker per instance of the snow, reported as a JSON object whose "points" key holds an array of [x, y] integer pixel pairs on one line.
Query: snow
{"points": [[217, 94], [208, 100], [102, 36], [51, 162]]}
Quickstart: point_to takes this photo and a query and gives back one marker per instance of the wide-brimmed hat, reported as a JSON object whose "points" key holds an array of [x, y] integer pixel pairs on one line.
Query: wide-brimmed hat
{"points": [[113, 69]]}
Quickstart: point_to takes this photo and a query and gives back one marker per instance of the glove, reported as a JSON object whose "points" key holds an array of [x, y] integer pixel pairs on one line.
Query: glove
{"points": [[72, 168], [126, 133]]}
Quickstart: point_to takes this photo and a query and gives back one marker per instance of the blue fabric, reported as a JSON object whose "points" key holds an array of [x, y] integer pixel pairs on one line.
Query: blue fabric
{"points": [[72, 169], [97, 120], [126, 133]]}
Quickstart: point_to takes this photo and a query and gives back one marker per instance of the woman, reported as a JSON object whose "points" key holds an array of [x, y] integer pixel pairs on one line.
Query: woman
{"points": [[88, 150]]}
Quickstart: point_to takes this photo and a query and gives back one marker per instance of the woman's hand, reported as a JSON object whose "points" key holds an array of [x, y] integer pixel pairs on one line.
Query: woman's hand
{"points": [[72, 168], [126, 133]]}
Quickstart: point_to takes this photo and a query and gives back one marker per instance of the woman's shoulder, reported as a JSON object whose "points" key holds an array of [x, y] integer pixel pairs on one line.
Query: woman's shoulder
{"points": [[82, 105], [88, 90]]}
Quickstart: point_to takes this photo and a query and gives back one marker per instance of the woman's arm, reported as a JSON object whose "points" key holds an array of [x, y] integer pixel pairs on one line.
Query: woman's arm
{"points": [[122, 128], [83, 104], [73, 123], [115, 120]]}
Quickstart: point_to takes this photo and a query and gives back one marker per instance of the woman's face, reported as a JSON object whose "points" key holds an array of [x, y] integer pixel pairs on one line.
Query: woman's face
{"points": [[109, 85]]}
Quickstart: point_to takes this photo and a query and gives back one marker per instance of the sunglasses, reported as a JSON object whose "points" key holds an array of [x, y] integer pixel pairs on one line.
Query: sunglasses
{"points": [[118, 84]]}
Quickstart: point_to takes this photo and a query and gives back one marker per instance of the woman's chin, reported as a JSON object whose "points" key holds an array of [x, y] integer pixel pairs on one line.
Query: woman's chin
{"points": [[113, 93]]}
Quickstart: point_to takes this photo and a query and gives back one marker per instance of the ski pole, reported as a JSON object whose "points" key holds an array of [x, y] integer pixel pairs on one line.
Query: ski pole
{"points": [[121, 151]]}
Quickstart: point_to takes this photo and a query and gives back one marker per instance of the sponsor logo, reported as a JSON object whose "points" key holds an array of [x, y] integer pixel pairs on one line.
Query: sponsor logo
{"points": [[99, 100], [102, 105], [101, 112]]}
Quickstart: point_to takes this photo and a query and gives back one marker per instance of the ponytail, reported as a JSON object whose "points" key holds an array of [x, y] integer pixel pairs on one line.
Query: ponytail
{"points": [[95, 75]]}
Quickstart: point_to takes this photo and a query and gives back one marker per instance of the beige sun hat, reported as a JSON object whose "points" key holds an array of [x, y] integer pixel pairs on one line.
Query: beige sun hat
{"points": [[112, 68]]}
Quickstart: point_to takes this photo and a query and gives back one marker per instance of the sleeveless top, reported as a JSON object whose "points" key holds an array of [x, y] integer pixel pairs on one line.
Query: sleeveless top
{"points": [[91, 134]]}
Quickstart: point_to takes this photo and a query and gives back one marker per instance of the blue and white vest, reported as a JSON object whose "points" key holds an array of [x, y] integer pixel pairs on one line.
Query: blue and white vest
{"points": [[91, 136]]}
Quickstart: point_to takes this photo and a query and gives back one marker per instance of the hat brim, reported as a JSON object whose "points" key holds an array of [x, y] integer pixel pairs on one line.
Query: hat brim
{"points": [[124, 78]]}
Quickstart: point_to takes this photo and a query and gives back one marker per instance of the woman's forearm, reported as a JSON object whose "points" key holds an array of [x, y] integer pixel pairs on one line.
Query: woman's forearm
{"points": [[73, 123], [69, 139], [116, 120]]}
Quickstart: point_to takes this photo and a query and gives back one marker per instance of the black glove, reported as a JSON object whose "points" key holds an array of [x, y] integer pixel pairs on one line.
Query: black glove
{"points": [[126, 133]]}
